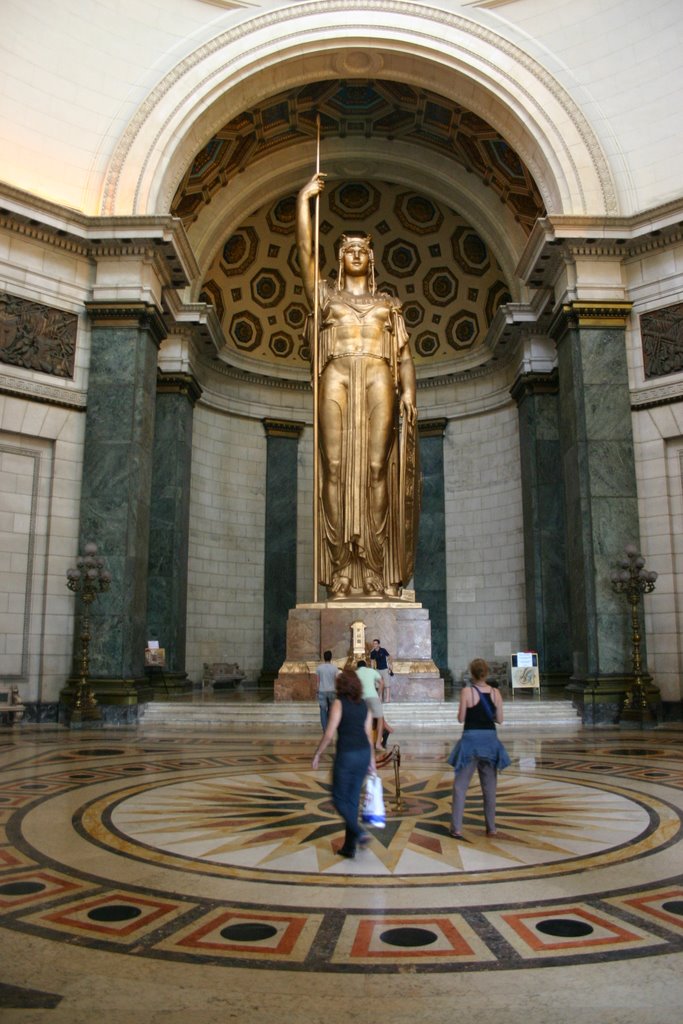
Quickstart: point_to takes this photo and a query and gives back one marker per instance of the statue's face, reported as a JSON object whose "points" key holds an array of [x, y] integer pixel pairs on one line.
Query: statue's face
{"points": [[356, 259]]}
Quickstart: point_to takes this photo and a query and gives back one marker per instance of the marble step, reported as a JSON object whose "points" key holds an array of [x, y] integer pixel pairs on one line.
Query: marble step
{"points": [[437, 717]]}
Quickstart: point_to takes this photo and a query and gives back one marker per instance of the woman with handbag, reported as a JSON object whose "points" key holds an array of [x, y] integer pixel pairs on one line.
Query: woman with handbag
{"points": [[481, 708], [351, 719]]}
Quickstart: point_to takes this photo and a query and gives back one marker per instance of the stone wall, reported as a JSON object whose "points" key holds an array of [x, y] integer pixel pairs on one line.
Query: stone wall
{"points": [[227, 524], [484, 538]]}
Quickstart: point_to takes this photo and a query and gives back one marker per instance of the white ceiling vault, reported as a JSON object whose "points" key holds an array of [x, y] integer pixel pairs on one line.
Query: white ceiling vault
{"points": [[442, 139]]}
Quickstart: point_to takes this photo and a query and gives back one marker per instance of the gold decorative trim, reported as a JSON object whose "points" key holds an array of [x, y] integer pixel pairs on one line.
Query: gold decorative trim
{"points": [[591, 315], [283, 428]]}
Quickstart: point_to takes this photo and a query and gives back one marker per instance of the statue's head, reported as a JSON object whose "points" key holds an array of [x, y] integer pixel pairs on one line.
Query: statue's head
{"points": [[352, 242]]}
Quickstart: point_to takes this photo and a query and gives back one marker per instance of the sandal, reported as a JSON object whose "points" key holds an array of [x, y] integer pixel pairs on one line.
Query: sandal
{"points": [[455, 835]]}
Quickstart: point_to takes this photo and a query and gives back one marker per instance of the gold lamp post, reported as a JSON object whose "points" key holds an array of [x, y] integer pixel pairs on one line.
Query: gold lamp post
{"points": [[88, 579], [634, 580]]}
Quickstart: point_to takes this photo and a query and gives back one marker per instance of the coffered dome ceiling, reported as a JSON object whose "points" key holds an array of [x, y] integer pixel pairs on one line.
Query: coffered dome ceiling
{"points": [[448, 278]]}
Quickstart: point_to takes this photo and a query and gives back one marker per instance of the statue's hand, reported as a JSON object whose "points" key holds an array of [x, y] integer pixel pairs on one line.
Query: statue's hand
{"points": [[408, 410], [313, 187]]}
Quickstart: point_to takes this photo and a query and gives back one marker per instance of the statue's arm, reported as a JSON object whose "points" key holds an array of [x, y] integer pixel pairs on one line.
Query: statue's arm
{"points": [[304, 234], [406, 372]]}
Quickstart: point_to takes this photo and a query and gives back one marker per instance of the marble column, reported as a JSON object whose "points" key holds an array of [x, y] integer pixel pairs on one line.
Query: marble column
{"points": [[600, 495], [170, 520], [545, 568], [430, 560], [279, 591], [116, 488]]}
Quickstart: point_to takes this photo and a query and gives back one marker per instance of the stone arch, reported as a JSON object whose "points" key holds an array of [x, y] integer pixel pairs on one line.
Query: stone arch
{"points": [[491, 76]]}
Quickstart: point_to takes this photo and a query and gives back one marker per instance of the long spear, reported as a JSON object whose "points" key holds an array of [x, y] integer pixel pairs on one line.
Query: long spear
{"points": [[316, 283]]}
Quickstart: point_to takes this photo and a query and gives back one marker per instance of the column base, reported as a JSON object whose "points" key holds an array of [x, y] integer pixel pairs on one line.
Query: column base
{"points": [[164, 685], [116, 702], [599, 700]]}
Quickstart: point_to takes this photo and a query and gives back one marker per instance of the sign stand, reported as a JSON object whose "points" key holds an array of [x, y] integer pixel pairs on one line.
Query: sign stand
{"points": [[524, 673]]}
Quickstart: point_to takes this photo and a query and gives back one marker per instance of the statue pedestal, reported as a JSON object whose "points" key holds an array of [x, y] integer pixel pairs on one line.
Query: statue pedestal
{"points": [[403, 628]]}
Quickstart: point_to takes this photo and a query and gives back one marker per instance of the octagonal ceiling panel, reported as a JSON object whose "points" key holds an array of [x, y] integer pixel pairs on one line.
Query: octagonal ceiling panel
{"points": [[448, 279]]}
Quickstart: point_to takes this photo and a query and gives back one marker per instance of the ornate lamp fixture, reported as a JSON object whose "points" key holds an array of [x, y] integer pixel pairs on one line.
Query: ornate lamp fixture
{"points": [[88, 579], [634, 580]]}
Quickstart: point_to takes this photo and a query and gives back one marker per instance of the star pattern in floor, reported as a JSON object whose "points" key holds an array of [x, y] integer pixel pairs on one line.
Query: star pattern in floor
{"points": [[223, 853]]}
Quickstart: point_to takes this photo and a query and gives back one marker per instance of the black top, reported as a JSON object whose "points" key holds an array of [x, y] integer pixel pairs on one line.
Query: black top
{"points": [[477, 717], [351, 734]]}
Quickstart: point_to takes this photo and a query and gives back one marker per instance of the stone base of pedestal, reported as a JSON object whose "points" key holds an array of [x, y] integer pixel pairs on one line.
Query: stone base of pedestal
{"points": [[601, 700], [403, 628]]}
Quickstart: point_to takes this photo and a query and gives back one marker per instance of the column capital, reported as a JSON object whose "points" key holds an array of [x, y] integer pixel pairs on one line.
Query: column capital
{"points": [[140, 315], [572, 315], [534, 383], [179, 384], [282, 428], [432, 428]]}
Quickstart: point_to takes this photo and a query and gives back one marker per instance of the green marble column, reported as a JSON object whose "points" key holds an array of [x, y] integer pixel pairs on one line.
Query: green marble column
{"points": [[430, 559], [545, 568], [116, 488], [170, 524], [601, 499], [279, 592]]}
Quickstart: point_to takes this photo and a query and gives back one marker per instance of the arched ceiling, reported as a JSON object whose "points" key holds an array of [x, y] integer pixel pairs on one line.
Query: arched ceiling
{"points": [[361, 108], [449, 278]]}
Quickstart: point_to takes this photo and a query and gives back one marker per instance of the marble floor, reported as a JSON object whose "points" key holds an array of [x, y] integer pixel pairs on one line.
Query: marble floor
{"points": [[151, 876]]}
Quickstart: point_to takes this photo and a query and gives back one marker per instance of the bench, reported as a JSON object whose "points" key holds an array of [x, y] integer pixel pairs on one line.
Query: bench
{"points": [[222, 674], [11, 707], [498, 675]]}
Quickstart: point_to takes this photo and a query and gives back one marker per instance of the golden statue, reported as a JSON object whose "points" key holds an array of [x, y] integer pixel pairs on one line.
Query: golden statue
{"points": [[368, 498]]}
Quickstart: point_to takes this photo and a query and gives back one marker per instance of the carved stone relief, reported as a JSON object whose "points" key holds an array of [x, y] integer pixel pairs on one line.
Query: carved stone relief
{"points": [[661, 331], [37, 337]]}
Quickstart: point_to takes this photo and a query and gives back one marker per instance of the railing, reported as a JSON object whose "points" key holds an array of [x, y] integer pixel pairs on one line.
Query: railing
{"points": [[392, 756]]}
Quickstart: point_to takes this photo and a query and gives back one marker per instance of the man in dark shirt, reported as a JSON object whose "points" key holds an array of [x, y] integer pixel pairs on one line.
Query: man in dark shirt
{"points": [[381, 660]]}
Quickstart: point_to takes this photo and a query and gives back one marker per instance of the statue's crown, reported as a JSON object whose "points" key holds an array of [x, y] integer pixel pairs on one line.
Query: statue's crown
{"points": [[357, 238]]}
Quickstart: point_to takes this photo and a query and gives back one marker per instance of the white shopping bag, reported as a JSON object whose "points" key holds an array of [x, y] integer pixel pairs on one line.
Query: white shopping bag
{"points": [[373, 805]]}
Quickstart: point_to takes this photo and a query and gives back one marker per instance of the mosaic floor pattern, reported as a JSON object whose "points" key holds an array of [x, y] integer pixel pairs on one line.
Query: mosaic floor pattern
{"points": [[223, 853]]}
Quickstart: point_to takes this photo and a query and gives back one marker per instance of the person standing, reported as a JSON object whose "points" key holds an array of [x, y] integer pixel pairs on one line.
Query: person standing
{"points": [[371, 684], [326, 673], [351, 719], [381, 660], [480, 709]]}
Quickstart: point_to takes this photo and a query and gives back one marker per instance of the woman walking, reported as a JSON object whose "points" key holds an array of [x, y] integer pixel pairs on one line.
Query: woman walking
{"points": [[351, 719], [481, 707]]}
